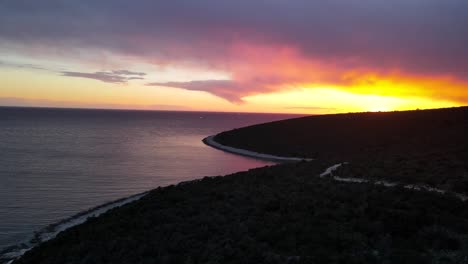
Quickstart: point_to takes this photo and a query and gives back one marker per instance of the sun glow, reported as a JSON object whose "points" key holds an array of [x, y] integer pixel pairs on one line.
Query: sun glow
{"points": [[334, 100], [354, 92]]}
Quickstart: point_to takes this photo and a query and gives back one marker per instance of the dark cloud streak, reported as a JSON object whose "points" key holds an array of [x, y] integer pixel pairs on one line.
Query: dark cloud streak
{"points": [[227, 89], [126, 72], [22, 65], [120, 76]]}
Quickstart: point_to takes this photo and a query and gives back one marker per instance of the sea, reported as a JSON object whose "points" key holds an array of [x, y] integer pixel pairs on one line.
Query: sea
{"points": [[55, 163]]}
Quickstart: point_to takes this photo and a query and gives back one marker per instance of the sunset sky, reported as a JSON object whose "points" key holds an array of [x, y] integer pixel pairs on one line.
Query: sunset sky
{"points": [[292, 56]]}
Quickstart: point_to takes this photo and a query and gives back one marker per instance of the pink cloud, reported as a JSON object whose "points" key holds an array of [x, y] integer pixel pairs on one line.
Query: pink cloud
{"points": [[265, 46]]}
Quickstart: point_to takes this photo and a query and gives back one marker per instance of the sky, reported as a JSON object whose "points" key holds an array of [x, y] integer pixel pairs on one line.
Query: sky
{"points": [[282, 56]]}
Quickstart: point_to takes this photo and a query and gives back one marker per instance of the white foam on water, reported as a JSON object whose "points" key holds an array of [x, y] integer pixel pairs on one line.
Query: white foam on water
{"points": [[53, 230], [212, 143]]}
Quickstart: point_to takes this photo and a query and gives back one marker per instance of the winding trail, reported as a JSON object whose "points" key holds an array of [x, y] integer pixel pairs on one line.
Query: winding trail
{"points": [[329, 171], [416, 187]]}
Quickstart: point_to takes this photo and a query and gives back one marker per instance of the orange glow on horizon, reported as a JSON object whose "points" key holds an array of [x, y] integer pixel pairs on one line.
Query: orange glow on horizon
{"points": [[271, 69], [335, 100], [268, 78]]}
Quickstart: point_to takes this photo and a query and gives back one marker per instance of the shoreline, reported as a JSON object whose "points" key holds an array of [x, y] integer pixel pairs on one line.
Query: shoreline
{"points": [[11, 253], [251, 154]]}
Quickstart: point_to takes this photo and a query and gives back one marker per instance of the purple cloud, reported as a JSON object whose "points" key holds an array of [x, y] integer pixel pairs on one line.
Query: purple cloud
{"points": [[22, 65], [126, 72], [423, 37], [226, 89], [120, 76], [427, 36]]}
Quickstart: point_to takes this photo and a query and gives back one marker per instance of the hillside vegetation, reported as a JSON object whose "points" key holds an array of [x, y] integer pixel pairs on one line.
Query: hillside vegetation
{"points": [[288, 213], [423, 146]]}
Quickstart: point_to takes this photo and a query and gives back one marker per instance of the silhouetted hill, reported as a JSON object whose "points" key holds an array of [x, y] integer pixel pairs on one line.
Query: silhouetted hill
{"points": [[280, 214], [288, 213], [422, 146]]}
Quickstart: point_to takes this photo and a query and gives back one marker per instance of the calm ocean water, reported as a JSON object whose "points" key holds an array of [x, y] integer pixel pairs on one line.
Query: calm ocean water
{"points": [[55, 163]]}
